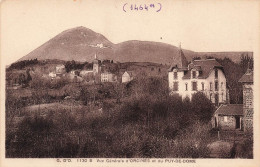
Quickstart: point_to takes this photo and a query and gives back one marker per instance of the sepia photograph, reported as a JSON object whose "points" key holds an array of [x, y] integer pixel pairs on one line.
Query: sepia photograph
{"points": [[129, 82]]}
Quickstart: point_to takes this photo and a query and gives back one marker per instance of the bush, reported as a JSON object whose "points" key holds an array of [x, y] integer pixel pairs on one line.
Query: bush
{"points": [[202, 107], [145, 124], [30, 137]]}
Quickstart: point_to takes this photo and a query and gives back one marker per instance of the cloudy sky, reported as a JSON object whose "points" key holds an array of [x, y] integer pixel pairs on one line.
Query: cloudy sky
{"points": [[199, 26]]}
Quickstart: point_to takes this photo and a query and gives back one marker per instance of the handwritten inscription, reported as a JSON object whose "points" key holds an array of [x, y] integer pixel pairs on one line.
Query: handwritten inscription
{"points": [[157, 7]]}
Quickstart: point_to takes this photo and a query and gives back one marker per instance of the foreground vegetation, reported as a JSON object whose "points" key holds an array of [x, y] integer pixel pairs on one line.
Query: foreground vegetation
{"points": [[145, 122], [138, 119]]}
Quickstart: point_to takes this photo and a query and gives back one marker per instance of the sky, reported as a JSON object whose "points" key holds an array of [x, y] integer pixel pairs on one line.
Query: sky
{"points": [[201, 25]]}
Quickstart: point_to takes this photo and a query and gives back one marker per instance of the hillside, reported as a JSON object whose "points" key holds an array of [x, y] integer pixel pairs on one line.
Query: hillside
{"points": [[234, 56], [81, 44]]}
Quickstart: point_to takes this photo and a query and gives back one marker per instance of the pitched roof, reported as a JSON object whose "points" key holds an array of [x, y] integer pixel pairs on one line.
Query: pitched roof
{"points": [[230, 109], [180, 62], [183, 60], [131, 73], [204, 66], [248, 77]]}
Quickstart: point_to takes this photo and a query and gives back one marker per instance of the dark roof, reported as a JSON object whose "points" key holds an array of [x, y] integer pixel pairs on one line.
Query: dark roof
{"points": [[183, 60], [230, 109], [204, 66], [178, 69], [180, 62], [248, 77], [197, 67]]}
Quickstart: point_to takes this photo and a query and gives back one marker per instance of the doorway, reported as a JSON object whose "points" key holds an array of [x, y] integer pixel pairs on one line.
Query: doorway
{"points": [[237, 122]]}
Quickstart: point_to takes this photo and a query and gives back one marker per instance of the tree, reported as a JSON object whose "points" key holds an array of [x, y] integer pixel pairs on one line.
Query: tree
{"points": [[196, 58], [202, 107], [29, 78], [233, 72], [246, 62]]}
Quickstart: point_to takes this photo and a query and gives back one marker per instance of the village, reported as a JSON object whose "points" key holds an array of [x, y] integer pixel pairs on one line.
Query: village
{"points": [[99, 89]]}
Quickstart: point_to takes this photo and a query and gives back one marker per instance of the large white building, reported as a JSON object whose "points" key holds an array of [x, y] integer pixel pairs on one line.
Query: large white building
{"points": [[206, 76], [108, 77]]}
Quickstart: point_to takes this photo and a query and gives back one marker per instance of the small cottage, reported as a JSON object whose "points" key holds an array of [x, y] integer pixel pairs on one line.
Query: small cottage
{"points": [[229, 117], [52, 75], [60, 69], [127, 76]]}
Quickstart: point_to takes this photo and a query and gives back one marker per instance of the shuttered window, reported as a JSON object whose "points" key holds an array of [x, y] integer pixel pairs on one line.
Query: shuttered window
{"points": [[216, 86], [175, 86], [194, 86], [216, 73], [175, 75], [193, 74]]}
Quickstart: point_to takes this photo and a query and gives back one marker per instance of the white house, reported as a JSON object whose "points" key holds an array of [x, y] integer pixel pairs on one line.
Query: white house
{"points": [[206, 76], [85, 72], [52, 74], [127, 76], [60, 69], [108, 77]]}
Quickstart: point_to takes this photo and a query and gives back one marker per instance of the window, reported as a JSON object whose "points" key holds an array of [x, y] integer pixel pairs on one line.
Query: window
{"points": [[225, 119], [210, 86], [221, 86], [216, 99], [186, 86], [193, 74], [222, 96], [210, 97], [175, 75], [175, 86], [202, 86], [216, 73], [216, 86], [194, 86]]}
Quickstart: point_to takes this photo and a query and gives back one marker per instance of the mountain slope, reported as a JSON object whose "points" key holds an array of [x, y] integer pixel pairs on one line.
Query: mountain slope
{"points": [[74, 44], [81, 44]]}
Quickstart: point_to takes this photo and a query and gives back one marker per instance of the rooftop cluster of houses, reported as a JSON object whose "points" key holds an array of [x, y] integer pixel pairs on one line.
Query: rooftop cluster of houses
{"points": [[185, 79], [208, 76], [95, 75]]}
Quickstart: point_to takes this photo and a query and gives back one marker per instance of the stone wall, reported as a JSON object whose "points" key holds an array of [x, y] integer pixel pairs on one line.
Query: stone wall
{"points": [[226, 122], [248, 107]]}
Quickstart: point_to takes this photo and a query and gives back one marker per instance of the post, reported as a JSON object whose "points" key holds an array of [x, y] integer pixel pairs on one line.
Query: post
{"points": [[218, 135]]}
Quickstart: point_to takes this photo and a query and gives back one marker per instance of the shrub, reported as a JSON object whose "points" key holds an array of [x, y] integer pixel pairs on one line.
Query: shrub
{"points": [[202, 107]]}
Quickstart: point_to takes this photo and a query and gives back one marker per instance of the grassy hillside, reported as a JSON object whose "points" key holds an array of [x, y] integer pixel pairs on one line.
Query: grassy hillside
{"points": [[81, 44]]}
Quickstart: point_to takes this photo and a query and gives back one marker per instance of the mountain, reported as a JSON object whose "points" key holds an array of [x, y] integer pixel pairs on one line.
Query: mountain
{"points": [[81, 44], [74, 44]]}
